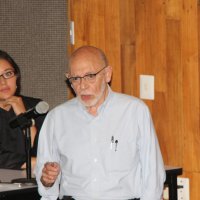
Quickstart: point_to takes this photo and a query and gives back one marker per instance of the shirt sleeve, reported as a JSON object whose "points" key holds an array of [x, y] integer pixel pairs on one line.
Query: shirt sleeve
{"points": [[153, 172], [38, 123], [47, 153]]}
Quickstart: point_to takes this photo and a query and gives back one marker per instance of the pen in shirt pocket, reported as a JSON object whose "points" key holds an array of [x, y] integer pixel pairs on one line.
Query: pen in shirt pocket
{"points": [[116, 144], [111, 142]]}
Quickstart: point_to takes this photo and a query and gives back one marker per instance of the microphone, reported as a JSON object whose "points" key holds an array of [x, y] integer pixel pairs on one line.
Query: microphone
{"points": [[20, 120]]}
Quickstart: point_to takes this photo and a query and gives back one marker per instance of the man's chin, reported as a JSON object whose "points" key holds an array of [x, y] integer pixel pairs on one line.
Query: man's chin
{"points": [[88, 104]]}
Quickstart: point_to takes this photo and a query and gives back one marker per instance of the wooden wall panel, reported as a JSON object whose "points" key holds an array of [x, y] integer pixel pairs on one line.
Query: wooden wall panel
{"points": [[189, 42], [112, 40], [174, 95], [129, 85], [173, 9], [143, 42], [128, 47], [159, 38], [97, 23]]}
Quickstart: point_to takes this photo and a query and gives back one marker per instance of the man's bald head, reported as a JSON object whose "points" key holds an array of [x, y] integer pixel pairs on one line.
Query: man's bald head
{"points": [[91, 53]]}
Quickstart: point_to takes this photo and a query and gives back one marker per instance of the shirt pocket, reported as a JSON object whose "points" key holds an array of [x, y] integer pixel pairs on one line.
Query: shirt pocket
{"points": [[122, 156]]}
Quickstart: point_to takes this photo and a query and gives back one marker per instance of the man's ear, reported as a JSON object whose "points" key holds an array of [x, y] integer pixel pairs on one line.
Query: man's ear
{"points": [[108, 73], [67, 74]]}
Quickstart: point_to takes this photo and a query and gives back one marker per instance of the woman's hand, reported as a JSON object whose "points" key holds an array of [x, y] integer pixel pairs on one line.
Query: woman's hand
{"points": [[18, 106], [16, 103], [33, 163]]}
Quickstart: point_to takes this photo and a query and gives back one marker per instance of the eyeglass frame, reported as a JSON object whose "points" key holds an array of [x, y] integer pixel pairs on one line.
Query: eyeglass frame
{"points": [[83, 77], [4, 76]]}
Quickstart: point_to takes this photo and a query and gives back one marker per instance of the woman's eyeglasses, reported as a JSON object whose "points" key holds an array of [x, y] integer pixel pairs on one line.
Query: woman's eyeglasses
{"points": [[8, 74]]}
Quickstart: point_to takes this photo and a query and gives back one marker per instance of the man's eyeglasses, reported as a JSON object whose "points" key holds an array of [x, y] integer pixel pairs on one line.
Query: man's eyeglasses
{"points": [[90, 78], [8, 74]]}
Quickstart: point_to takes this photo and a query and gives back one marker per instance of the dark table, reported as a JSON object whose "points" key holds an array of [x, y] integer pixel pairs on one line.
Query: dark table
{"points": [[16, 191], [171, 180]]}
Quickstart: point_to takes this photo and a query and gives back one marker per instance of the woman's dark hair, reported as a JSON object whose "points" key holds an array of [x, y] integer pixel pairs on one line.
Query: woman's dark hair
{"points": [[8, 58]]}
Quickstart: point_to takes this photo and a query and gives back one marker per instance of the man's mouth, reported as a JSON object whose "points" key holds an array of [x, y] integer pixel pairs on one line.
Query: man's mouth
{"points": [[86, 97]]}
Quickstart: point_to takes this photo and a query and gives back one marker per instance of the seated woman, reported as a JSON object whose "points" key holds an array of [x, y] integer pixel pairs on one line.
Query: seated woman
{"points": [[12, 141]]}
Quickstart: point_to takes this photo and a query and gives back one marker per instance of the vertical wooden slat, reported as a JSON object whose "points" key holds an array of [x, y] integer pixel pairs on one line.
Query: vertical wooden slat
{"points": [[128, 54], [112, 40], [143, 53], [174, 94], [189, 60], [129, 84]]}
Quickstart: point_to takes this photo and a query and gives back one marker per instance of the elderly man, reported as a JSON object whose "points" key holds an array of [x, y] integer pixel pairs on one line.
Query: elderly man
{"points": [[100, 145]]}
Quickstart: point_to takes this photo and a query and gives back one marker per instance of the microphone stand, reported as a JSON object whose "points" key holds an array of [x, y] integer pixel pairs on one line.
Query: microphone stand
{"points": [[25, 127]]}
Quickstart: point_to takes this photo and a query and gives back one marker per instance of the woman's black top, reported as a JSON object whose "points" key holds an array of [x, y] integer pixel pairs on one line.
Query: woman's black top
{"points": [[12, 141]]}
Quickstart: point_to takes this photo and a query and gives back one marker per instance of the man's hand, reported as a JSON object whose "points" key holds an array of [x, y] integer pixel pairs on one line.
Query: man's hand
{"points": [[50, 173]]}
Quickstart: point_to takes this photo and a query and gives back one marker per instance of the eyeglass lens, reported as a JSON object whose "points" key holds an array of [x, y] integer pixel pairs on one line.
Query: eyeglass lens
{"points": [[8, 74]]}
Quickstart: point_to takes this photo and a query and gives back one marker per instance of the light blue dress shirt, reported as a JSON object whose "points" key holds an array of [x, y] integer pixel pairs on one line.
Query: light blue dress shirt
{"points": [[112, 156]]}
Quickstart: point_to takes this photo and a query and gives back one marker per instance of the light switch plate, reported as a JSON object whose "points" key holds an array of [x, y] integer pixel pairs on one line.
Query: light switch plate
{"points": [[72, 37], [184, 192], [147, 87]]}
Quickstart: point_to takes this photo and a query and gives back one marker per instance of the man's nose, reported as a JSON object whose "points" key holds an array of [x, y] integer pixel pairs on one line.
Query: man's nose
{"points": [[83, 83]]}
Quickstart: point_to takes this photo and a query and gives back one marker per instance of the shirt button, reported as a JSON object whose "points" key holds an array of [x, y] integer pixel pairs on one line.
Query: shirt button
{"points": [[95, 160], [94, 180]]}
